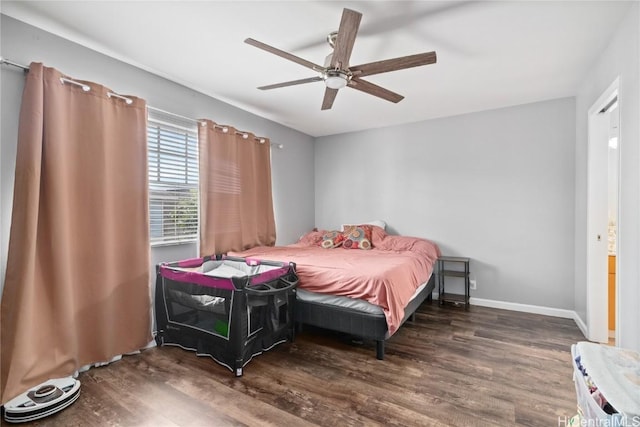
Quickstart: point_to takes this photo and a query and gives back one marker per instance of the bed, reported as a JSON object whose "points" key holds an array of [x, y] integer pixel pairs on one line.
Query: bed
{"points": [[368, 289]]}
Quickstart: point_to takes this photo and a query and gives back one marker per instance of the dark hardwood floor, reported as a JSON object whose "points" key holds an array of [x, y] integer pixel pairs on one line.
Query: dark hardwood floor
{"points": [[484, 367]]}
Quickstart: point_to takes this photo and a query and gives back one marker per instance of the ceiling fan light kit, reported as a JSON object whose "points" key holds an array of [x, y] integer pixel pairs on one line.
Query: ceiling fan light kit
{"points": [[336, 79], [337, 74]]}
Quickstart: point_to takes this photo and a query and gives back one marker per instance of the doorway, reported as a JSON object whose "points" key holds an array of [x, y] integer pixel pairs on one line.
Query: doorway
{"points": [[602, 213], [612, 217]]}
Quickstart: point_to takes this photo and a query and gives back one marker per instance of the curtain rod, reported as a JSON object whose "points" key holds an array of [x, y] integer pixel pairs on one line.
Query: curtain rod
{"points": [[223, 128], [129, 101], [15, 64]]}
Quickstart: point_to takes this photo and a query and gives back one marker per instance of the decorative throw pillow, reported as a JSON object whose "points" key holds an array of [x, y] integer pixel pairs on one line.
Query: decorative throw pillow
{"points": [[357, 237], [332, 239]]}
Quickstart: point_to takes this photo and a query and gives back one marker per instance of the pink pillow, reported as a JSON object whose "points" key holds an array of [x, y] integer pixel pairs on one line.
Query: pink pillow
{"points": [[357, 237], [311, 238], [332, 239], [377, 234], [424, 247]]}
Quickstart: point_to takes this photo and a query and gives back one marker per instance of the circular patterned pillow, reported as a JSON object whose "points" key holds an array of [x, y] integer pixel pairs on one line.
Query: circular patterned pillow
{"points": [[357, 237], [332, 239]]}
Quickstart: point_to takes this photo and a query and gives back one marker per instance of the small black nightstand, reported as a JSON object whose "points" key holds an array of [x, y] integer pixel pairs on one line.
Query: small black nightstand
{"points": [[451, 266]]}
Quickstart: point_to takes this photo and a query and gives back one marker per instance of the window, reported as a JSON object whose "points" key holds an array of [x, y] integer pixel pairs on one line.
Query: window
{"points": [[173, 179]]}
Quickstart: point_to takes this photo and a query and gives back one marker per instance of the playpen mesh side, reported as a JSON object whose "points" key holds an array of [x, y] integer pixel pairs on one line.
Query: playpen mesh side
{"points": [[231, 326]]}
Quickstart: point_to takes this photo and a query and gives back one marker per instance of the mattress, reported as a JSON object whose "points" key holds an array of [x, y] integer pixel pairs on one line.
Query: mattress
{"points": [[347, 302]]}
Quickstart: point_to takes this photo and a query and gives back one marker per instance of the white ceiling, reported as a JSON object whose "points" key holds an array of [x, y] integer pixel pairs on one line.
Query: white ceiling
{"points": [[491, 54]]}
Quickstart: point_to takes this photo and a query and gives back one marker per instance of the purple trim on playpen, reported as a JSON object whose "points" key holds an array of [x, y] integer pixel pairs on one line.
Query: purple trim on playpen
{"points": [[197, 278], [268, 276], [168, 271], [189, 263]]}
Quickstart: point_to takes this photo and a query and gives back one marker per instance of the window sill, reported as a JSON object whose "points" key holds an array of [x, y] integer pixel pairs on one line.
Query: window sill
{"points": [[174, 243]]}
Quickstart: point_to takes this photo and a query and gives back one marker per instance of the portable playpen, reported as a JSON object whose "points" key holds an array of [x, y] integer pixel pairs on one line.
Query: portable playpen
{"points": [[228, 308]]}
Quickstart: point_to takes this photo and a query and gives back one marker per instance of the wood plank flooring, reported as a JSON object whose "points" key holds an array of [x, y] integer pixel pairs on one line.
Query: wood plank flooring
{"points": [[484, 367]]}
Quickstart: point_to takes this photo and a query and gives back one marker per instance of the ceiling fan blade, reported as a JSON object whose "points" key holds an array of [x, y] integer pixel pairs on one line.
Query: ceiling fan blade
{"points": [[283, 54], [291, 83], [346, 38], [394, 64], [329, 97], [375, 90]]}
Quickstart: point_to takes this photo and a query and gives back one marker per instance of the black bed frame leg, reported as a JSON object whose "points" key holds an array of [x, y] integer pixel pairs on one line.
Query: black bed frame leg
{"points": [[380, 349]]}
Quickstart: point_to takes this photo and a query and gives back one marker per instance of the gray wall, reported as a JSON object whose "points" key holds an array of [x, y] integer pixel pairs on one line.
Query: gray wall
{"points": [[505, 187], [496, 186], [292, 166], [619, 59]]}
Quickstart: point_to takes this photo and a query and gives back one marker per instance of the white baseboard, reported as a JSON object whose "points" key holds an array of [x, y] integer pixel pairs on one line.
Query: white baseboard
{"points": [[526, 308], [581, 325]]}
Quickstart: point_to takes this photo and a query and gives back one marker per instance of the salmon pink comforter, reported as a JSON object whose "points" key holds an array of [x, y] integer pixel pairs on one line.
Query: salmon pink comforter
{"points": [[386, 275]]}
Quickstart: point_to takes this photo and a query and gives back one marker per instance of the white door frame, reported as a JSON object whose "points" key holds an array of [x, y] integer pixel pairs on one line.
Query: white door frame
{"points": [[597, 217]]}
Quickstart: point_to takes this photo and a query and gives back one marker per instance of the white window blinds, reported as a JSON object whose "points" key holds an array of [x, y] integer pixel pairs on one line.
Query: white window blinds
{"points": [[173, 179]]}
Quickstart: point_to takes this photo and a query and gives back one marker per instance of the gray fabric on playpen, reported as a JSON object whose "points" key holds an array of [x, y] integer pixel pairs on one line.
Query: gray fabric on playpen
{"points": [[228, 269], [200, 302]]}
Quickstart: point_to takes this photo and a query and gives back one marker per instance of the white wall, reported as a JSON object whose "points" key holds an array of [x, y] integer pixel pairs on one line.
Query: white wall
{"points": [[496, 186], [620, 58], [292, 166]]}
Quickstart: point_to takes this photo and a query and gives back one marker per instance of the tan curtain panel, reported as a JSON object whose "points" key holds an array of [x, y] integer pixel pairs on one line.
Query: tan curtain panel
{"points": [[77, 280], [236, 203]]}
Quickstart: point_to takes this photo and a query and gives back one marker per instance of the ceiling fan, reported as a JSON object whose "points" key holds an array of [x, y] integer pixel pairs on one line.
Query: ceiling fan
{"points": [[336, 72]]}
